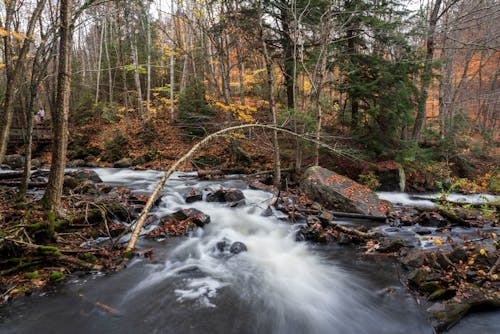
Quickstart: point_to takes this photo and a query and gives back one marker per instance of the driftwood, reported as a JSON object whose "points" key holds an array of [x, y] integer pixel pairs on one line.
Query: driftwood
{"points": [[353, 231], [11, 175], [149, 204], [358, 216]]}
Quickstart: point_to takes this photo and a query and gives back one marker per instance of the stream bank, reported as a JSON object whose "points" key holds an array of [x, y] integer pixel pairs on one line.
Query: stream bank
{"points": [[185, 277]]}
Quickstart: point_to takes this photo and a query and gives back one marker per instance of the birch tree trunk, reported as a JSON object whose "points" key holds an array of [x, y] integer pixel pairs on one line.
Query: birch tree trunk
{"points": [[99, 61], [137, 80], [108, 30]]}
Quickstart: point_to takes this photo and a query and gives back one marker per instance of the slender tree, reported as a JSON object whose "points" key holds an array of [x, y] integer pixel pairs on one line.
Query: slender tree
{"points": [[53, 192]]}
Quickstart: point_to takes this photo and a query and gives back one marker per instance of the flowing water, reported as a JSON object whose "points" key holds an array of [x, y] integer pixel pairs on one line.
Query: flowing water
{"points": [[196, 285]]}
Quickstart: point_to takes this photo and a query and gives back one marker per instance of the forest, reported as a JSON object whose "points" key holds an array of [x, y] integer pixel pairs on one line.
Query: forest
{"points": [[387, 95]]}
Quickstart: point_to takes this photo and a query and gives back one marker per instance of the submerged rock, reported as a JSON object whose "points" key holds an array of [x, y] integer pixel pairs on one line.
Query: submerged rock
{"points": [[445, 315], [238, 247], [339, 193]]}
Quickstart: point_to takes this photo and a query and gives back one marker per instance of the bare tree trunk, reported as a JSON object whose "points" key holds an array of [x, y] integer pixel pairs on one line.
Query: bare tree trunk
{"points": [[99, 61], [53, 193], [172, 63], [148, 79], [426, 75], [108, 61], [137, 80], [13, 69], [269, 71]]}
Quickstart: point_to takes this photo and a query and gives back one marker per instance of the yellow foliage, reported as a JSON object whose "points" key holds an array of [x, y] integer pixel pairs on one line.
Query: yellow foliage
{"points": [[493, 235], [243, 113], [482, 252], [438, 241], [237, 135], [494, 276], [2, 66], [18, 36], [307, 86], [4, 32]]}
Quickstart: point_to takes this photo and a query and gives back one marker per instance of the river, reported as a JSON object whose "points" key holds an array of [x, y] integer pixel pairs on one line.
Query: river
{"points": [[278, 285]]}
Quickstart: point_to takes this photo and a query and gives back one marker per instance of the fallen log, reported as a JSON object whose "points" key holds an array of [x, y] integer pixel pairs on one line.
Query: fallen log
{"points": [[358, 216], [149, 204], [11, 175], [353, 231]]}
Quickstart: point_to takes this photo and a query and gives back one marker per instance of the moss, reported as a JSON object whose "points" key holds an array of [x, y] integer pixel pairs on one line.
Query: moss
{"points": [[61, 225], [56, 276], [48, 251], [32, 275], [88, 257], [43, 232], [128, 254], [437, 294], [17, 260]]}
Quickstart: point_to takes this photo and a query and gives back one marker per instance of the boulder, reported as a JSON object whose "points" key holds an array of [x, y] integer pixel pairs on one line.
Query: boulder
{"points": [[179, 223], [339, 193], [431, 219], [226, 195], [14, 161], [193, 195], [445, 315], [123, 163], [196, 216], [85, 174]]}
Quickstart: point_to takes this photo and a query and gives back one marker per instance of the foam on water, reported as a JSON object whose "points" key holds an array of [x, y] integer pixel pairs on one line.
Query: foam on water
{"points": [[297, 290]]}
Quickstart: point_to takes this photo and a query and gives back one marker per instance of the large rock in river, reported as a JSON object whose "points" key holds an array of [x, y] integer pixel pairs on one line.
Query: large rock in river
{"points": [[339, 193]]}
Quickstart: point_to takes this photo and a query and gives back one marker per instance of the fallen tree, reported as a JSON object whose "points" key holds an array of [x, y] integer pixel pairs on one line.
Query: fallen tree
{"points": [[153, 197]]}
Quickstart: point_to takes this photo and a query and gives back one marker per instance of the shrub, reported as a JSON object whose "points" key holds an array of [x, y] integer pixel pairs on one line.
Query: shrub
{"points": [[194, 110]]}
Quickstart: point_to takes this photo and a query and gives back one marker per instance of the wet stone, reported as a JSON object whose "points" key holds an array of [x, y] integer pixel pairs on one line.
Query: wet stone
{"points": [[267, 212], [222, 245], [85, 174], [458, 254], [196, 216], [422, 231], [445, 315], [193, 195], [238, 247], [431, 219], [391, 245], [225, 195]]}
